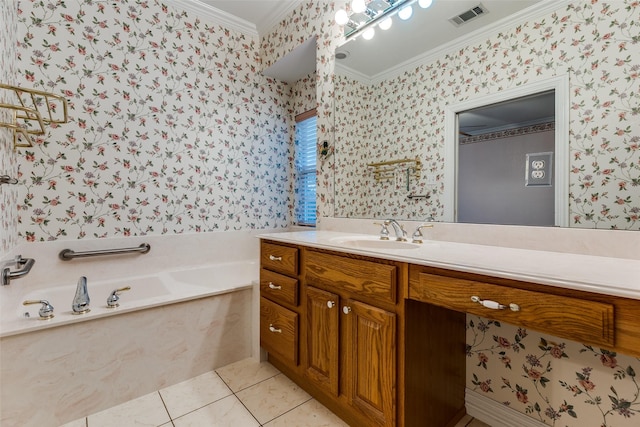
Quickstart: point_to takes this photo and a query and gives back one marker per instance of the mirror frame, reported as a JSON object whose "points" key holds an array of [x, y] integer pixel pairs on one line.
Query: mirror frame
{"points": [[560, 84]]}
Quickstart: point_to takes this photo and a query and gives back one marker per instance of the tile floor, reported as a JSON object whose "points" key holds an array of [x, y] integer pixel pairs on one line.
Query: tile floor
{"points": [[244, 394]]}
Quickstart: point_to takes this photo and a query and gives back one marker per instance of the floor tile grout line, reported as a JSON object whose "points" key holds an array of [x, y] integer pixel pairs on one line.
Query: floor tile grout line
{"points": [[200, 407], [249, 386], [286, 412], [165, 406]]}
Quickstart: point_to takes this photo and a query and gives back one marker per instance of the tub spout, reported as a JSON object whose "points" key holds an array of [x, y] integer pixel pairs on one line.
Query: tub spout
{"points": [[81, 300]]}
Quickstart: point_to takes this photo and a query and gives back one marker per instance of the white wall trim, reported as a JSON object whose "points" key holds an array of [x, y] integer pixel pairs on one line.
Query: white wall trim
{"points": [[222, 18], [278, 13], [560, 84], [495, 413]]}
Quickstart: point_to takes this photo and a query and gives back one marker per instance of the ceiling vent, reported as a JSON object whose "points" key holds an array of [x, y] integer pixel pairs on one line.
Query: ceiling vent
{"points": [[467, 16]]}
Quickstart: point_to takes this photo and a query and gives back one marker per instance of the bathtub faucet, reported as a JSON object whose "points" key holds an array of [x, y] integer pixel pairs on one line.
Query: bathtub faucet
{"points": [[81, 300]]}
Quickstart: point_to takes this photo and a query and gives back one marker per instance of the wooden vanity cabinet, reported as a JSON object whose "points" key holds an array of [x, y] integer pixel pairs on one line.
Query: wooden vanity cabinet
{"points": [[352, 332], [279, 305], [382, 343], [350, 317], [606, 321]]}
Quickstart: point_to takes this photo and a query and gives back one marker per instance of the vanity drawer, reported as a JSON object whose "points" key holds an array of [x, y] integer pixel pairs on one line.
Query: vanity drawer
{"points": [[278, 287], [572, 318], [283, 259], [279, 330], [368, 279]]}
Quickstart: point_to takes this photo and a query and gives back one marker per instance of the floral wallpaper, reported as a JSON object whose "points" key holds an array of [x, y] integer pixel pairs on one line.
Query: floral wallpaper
{"points": [[313, 18], [557, 382], [8, 163], [172, 127], [594, 42]]}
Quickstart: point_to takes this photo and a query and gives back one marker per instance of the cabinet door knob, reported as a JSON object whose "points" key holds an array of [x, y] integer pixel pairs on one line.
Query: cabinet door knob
{"points": [[275, 258], [331, 304], [272, 286], [346, 309], [274, 329]]}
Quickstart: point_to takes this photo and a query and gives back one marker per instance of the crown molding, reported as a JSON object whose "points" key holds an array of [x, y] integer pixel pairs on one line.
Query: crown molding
{"points": [[219, 16], [533, 12], [278, 14]]}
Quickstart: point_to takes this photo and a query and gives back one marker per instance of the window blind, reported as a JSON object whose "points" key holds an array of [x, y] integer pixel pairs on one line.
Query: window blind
{"points": [[305, 169]]}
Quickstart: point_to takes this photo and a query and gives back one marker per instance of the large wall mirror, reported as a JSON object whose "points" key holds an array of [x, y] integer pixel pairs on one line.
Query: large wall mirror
{"points": [[410, 104]]}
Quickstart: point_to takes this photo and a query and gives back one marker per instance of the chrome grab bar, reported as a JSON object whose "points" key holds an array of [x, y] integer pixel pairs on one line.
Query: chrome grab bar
{"points": [[68, 254], [6, 179], [24, 263]]}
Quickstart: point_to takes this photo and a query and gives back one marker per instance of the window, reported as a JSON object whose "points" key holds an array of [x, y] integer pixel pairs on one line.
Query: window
{"points": [[305, 168]]}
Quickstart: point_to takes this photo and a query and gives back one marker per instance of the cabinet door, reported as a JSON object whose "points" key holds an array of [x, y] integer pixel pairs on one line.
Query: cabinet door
{"points": [[322, 338], [370, 362]]}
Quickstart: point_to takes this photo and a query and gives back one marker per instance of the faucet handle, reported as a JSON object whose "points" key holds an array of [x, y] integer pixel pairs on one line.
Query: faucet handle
{"points": [[112, 301], [384, 232], [417, 235], [45, 312]]}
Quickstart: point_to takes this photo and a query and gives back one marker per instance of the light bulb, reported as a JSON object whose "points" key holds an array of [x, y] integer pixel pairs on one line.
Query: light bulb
{"points": [[385, 24], [368, 34], [342, 17], [425, 3], [405, 13], [358, 6]]}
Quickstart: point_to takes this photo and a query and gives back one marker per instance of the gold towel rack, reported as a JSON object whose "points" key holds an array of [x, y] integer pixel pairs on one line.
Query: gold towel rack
{"points": [[28, 117], [386, 170]]}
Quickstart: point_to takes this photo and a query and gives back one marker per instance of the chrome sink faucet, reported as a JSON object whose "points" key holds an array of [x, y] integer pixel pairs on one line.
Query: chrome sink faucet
{"points": [[401, 233], [81, 299]]}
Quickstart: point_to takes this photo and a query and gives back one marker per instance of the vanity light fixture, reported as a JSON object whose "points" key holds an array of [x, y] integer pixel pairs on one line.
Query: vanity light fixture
{"points": [[363, 15]]}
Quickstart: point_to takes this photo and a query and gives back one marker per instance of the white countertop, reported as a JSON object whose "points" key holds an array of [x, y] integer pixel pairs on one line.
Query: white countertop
{"points": [[604, 275]]}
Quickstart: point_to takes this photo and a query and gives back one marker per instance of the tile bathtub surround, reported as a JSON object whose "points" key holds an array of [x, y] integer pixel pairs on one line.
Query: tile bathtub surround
{"points": [[168, 252], [89, 366]]}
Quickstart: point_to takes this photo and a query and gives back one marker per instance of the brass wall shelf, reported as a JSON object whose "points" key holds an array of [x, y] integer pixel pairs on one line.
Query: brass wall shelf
{"points": [[32, 110], [387, 170]]}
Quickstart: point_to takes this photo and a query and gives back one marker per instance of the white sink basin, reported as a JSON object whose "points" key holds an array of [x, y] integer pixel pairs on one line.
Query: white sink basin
{"points": [[373, 242]]}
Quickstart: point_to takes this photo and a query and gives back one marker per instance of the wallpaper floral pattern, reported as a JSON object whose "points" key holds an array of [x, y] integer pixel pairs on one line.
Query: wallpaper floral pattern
{"points": [[8, 163], [313, 18], [594, 42], [172, 127], [557, 382]]}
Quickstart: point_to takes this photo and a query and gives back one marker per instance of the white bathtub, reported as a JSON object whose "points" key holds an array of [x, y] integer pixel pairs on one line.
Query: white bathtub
{"points": [[146, 292], [171, 326]]}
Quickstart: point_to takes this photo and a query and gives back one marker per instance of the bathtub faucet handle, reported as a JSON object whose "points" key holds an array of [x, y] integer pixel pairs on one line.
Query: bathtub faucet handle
{"points": [[112, 301], [46, 311]]}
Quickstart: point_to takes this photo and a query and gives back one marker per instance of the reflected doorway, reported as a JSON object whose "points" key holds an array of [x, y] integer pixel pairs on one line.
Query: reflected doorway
{"points": [[507, 157], [505, 162]]}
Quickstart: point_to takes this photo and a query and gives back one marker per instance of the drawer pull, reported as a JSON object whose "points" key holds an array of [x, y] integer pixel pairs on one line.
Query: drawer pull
{"points": [[331, 304], [346, 309], [276, 287], [494, 305], [274, 329], [275, 258]]}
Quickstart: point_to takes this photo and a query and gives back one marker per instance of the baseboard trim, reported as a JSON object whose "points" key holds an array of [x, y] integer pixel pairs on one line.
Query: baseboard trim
{"points": [[496, 414]]}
